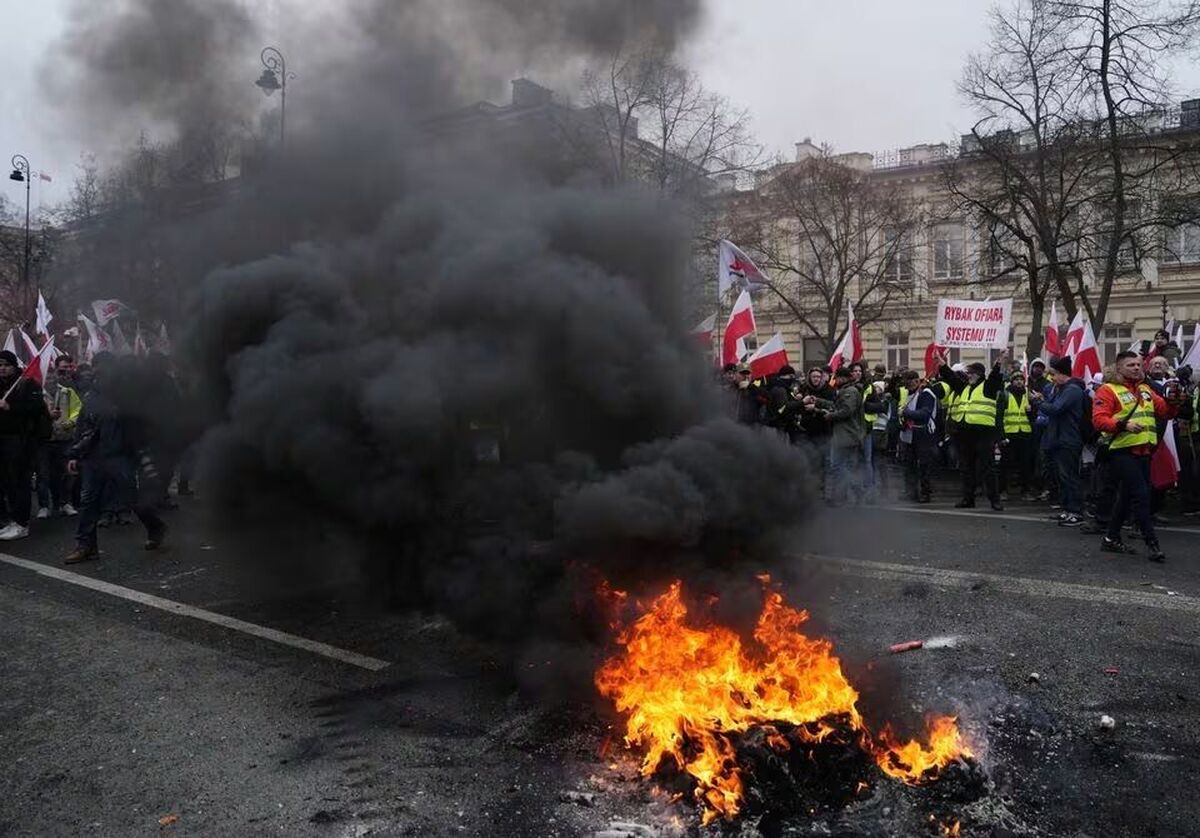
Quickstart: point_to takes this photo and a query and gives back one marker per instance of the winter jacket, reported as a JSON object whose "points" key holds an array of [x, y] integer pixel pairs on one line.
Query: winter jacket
{"points": [[918, 413], [100, 432], [814, 422], [845, 417], [25, 409], [1063, 409]]}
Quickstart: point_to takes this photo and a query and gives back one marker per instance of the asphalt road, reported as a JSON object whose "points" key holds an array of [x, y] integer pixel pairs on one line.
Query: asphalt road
{"points": [[232, 696]]}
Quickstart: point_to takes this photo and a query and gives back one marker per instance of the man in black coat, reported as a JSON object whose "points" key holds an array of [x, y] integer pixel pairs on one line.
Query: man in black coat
{"points": [[21, 411]]}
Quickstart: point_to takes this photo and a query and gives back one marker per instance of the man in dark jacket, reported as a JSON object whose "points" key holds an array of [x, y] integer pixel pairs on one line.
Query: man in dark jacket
{"points": [[847, 429], [743, 395], [111, 452], [783, 408], [977, 435], [1062, 439], [919, 435], [20, 411], [814, 423]]}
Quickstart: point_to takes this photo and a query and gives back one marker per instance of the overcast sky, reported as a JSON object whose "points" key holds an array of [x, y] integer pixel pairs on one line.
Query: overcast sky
{"points": [[862, 75]]}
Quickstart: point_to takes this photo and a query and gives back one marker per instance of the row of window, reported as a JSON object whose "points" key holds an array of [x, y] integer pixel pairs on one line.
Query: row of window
{"points": [[948, 246]]}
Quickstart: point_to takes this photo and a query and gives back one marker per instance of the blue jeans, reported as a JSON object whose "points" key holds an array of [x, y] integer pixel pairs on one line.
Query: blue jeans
{"points": [[842, 479], [1066, 464], [868, 451], [107, 483]]}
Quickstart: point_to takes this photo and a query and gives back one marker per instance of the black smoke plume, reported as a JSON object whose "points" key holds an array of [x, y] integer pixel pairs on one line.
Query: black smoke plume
{"points": [[465, 358]]}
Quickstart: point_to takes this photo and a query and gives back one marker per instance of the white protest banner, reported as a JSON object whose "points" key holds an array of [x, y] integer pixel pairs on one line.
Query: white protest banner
{"points": [[970, 324]]}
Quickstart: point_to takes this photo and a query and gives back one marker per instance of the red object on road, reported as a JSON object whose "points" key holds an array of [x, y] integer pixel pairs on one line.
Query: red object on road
{"points": [[1111, 670], [896, 648]]}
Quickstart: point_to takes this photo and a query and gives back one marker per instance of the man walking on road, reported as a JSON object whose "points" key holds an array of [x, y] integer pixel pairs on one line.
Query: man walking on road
{"points": [[1126, 413], [1062, 439], [110, 444]]}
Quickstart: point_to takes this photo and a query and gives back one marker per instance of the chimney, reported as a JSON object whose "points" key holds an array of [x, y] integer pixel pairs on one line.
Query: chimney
{"points": [[805, 149], [528, 94]]}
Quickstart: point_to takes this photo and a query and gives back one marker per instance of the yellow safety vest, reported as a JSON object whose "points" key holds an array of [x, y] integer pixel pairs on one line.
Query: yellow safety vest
{"points": [[1135, 407], [903, 399], [1016, 416], [977, 409], [957, 409], [869, 417]]}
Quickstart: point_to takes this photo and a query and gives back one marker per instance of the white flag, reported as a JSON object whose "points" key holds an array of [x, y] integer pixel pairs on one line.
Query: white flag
{"points": [[98, 341], [120, 344], [736, 269], [107, 310], [43, 316]]}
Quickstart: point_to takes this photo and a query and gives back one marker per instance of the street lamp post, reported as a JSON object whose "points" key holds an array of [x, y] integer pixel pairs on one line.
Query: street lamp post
{"points": [[275, 77], [22, 172]]}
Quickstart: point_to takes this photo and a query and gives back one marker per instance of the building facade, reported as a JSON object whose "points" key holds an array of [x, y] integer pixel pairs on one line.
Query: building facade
{"points": [[948, 258]]}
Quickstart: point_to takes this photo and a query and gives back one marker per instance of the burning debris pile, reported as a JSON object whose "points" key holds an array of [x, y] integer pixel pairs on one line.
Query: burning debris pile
{"points": [[755, 726]]}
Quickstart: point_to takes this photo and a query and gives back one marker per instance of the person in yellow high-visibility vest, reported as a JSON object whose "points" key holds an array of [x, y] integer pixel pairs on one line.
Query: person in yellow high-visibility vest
{"points": [[1126, 413], [977, 437], [1012, 412]]}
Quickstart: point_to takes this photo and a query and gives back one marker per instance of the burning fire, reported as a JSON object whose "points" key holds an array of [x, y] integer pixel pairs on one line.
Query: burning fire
{"points": [[685, 690]]}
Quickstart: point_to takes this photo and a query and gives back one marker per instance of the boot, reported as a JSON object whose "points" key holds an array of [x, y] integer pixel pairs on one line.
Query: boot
{"points": [[156, 537], [82, 554]]}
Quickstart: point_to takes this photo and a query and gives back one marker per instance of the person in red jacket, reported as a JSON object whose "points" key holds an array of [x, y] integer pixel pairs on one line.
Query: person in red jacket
{"points": [[1125, 413]]}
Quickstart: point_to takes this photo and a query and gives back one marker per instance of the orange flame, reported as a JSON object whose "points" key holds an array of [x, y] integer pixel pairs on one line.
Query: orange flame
{"points": [[685, 689]]}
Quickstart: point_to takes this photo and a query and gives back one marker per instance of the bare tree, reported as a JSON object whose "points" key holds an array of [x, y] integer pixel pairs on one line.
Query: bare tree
{"points": [[1028, 170], [659, 125], [1066, 189], [829, 234], [1118, 50]]}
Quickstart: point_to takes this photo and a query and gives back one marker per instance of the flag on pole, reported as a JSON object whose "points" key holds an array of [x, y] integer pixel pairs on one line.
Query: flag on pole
{"points": [[107, 310], [43, 316], [98, 340], [736, 269], [30, 347], [40, 363], [770, 358], [139, 344], [1086, 353], [1051, 342], [120, 344], [702, 332], [1179, 336], [10, 343], [931, 362], [45, 177], [163, 343], [1193, 357], [737, 329], [850, 349], [1164, 462]]}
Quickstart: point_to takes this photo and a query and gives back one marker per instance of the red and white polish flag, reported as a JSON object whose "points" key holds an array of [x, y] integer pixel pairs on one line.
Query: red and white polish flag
{"points": [[1052, 346], [851, 348], [770, 358], [740, 326]]}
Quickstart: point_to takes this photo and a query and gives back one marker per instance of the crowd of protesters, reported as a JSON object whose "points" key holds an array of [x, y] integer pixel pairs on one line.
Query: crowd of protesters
{"points": [[96, 442], [1086, 447]]}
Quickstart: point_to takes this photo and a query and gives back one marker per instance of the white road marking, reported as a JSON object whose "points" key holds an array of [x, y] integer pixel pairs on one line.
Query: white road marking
{"points": [[1005, 516], [946, 578], [172, 607]]}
